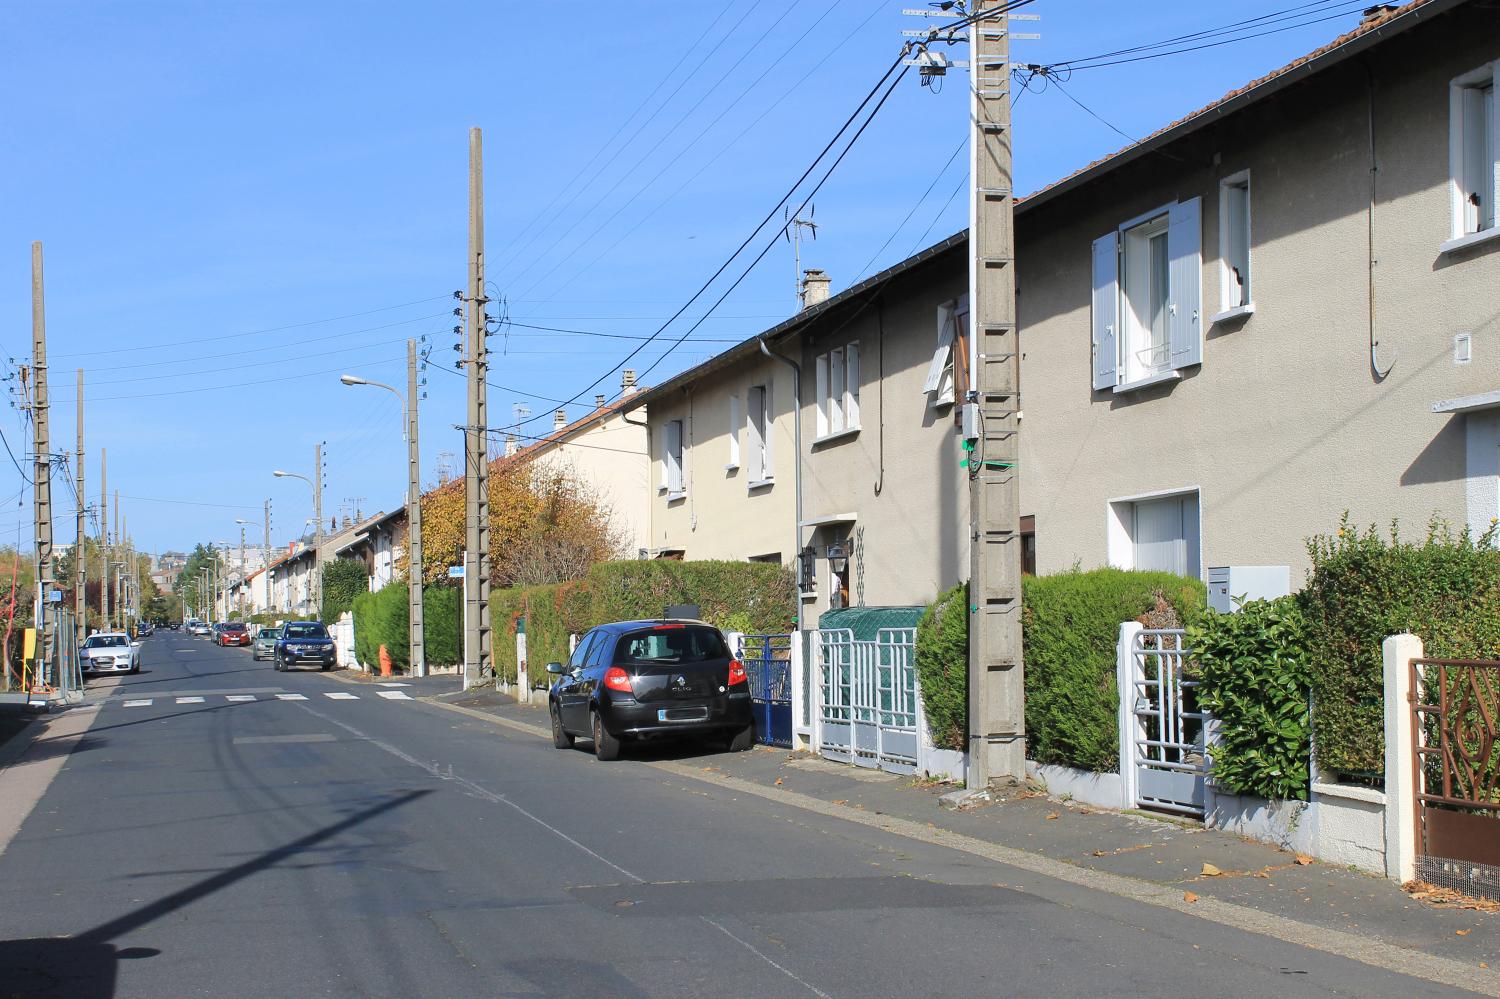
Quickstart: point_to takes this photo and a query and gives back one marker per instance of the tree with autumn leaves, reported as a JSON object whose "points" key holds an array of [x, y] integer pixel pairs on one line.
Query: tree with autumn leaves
{"points": [[547, 525]]}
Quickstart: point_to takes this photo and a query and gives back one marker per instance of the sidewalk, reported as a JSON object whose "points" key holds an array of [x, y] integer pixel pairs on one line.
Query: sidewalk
{"points": [[1204, 864]]}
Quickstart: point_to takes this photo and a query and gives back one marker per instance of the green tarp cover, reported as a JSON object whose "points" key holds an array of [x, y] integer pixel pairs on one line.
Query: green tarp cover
{"points": [[865, 622]]}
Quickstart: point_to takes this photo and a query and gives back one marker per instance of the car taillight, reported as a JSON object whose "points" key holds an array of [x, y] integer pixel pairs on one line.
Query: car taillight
{"points": [[737, 673], [616, 678]]}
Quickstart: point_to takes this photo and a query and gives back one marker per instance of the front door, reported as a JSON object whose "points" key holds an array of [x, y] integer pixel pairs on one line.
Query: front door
{"points": [[572, 694]]}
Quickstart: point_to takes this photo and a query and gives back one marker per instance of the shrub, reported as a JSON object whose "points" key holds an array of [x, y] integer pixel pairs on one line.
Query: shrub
{"points": [[442, 624], [943, 667], [343, 580], [1071, 624], [1253, 668], [380, 618], [1364, 587]]}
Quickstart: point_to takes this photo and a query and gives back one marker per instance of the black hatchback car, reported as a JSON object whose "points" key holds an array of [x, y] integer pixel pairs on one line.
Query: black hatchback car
{"points": [[304, 643], [637, 680]]}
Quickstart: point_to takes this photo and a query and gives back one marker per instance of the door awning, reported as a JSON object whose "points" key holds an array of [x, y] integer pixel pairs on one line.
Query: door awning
{"points": [[831, 519], [1469, 403]]}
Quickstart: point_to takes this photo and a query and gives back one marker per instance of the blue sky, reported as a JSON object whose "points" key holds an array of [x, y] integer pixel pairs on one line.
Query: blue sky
{"points": [[239, 201]]}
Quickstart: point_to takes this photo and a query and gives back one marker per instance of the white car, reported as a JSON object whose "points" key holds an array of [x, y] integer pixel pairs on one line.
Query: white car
{"points": [[110, 652]]}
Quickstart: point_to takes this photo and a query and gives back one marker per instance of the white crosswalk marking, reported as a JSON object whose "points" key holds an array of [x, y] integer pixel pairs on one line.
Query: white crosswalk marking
{"points": [[239, 697], [291, 697], [339, 695], [391, 683], [394, 695], [144, 703], [189, 700]]}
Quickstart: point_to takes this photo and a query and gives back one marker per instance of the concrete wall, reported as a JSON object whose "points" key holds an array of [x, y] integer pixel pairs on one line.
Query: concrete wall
{"points": [[612, 457], [1283, 427]]}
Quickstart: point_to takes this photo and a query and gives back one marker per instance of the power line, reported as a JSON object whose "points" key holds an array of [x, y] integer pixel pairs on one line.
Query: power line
{"points": [[13, 460], [621, 336], [963, 144], [178, 502], [229, 385]]}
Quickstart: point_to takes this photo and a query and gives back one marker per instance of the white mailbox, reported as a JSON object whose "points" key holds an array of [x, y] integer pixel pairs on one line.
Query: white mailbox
{"points": [[1231, 585]]}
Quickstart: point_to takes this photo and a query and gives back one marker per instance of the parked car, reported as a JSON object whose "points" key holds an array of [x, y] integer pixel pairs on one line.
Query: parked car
{"points": [[232, 633], [305, 643], [196, 627], [637, 680], [264, 646], [110, 652]]}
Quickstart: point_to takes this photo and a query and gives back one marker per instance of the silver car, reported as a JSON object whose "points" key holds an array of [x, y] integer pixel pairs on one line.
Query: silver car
{"points": [[110, 652]]}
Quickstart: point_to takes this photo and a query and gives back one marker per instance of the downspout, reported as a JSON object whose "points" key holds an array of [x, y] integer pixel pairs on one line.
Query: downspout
{"points": [[1375, 369], [797, 463]]}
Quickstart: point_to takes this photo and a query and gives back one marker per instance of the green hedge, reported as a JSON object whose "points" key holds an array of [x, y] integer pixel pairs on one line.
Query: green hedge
{"points": [[751, 597], [1253, 668], [442, 624], [343, 580], [380, 618], [1071, 624], [943, 667], [1367, 586]]}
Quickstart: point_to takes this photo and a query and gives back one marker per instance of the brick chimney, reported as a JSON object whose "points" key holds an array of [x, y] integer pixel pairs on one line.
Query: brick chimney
{"points": [[598, 402], [627, 382], [1379, 12], [814, 287], [559, 419], [510, 445]]}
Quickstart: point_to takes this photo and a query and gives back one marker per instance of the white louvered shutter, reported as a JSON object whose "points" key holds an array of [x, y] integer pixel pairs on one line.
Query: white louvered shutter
{"points": [[1185, 282], [1106, 310]]}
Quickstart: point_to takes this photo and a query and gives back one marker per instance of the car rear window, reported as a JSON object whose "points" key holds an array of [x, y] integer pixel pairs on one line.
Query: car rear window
{"points": [[671, 645], [234, 627], [306, 631]]}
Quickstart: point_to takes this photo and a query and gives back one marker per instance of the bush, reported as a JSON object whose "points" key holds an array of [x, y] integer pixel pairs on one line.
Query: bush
{"points": [[1364, 587], [380, 618], [1253, 667], [943, 667], [1071, 625], [343, 580], [442, 624]]}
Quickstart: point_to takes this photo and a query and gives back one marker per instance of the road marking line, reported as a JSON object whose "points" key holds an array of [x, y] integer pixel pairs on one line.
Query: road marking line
{"points": [[392, 683], [746, 944], [142, 703], [189, 700], [339, 695], [393, 695], [240, 697], [291, 697]]}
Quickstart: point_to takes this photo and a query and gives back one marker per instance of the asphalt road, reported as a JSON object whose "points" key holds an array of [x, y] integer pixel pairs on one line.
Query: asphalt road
{"points": [[312, 838]]}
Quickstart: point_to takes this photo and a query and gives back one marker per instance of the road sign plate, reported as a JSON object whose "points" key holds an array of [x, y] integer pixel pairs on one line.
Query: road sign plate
{"points": [[455, 572]]}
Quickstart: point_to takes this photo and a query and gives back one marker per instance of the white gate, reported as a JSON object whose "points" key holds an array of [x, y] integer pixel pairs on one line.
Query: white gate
{"points": [[867, 703], [1169, 733]]}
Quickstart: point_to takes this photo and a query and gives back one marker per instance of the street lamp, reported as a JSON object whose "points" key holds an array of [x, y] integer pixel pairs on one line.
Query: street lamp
{"points": [[317, 588], [417, 651]]}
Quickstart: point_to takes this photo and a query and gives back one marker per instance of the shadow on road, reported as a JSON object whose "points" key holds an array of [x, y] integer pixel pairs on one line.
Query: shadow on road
{"points": [[86, 966]]}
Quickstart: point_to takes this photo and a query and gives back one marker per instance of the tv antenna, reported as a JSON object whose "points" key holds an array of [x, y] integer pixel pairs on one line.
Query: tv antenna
{"points": [[792, 231]]}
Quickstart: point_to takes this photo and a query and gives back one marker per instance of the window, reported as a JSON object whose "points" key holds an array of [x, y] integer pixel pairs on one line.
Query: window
{"points": [[671, 459], [758, 436], [581, 651], [772, 558], [734, 434], [1028, 545], [948, 374], [1234, 247], [1474, 149], [1158, 533], [837, 374], [1148, 290]]}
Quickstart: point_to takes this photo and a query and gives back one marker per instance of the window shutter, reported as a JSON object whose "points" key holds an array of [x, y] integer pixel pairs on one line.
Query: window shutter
{"points": [[836, 390], [851, 390], [1106, 310], [661, 452], [674, 456], [939, 364], [1185, 282], [754, 430], [734, 430], [1492, 109], [768, 465], [820, 399]]}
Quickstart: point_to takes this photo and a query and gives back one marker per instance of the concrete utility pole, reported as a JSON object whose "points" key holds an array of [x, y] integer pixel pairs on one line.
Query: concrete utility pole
{"points": [[80, 558], [418, 649], [266, 571], [478, 662], [997, 720], [105, 615], [42, 471]]}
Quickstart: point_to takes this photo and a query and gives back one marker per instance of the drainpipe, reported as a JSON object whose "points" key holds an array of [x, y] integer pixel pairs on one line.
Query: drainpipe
{"points": [[797, 464]]}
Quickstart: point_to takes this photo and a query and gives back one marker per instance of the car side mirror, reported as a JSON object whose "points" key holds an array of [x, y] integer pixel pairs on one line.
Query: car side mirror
{"points": [[556, 668], [135, 645]]}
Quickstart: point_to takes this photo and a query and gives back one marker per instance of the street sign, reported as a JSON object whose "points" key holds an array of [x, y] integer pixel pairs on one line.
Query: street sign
{"points": [[455, 572]]}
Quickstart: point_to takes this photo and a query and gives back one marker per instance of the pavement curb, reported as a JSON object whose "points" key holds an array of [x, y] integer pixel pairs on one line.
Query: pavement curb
{"points": [[1368, 950]]}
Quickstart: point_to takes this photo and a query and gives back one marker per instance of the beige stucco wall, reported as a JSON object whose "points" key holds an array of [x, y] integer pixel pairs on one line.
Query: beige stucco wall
{"points": [[720, 517], [1283, 427], [612, 458]]}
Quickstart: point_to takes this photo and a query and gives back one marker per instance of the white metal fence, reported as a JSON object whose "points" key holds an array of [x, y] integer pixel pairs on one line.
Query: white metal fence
{"points": [[1168, 730], [867, 703]]}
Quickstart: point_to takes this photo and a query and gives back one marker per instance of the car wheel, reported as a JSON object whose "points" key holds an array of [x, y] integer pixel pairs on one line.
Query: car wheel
{"points": [[742, 740], [560, 737], [326, 667], [606, 746], [276, 665]]}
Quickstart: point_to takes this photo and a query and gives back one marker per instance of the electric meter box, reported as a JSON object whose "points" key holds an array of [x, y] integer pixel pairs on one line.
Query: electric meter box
{"points": [[1231, 585]]}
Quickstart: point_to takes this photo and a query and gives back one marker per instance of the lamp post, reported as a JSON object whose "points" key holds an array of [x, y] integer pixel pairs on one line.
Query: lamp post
{"points": [[417, 654], [244, 575], [317, 587]]}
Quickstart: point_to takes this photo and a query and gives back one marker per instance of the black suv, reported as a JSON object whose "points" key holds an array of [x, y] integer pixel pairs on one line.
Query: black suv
{"points": [[636, 680], [304, 643]]}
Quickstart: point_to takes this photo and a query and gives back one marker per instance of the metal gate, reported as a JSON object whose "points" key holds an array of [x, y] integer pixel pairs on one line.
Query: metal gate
{"points": [[1456, 738], [1169, 740], [768, 666], [867, 704]]}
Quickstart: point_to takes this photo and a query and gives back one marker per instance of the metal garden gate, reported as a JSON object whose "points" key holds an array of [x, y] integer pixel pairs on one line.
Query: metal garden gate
{"points": [[867, 703], [1456, 739], [1169, 738], [768, 666]]}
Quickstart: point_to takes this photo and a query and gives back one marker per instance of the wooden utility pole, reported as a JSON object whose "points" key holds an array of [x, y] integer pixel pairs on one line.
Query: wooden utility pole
{"points": [[80, 559], [46, 622], [418, 647], [997, 724], [478, 661]]}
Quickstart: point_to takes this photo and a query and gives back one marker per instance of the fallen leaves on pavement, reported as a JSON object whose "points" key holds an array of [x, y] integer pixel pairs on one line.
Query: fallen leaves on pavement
{"points": [[1434, 895], [1188, 896], [1303, 860], [1210, 871], [1053, 815]]}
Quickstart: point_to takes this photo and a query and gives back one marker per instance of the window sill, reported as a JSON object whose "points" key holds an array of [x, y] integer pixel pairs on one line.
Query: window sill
{"points": [[1238, 312], [759, 484], [838, 435], [1170, 375], [732, 466], [1472, 239], [809, 594], [674, 497]]}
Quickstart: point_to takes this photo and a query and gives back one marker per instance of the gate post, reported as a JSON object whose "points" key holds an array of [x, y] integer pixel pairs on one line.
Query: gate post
{"points": [[1398, 651], [1125, 678]]}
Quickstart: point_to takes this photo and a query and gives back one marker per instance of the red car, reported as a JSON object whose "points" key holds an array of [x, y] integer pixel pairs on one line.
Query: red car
{"points": [[232, 633]]}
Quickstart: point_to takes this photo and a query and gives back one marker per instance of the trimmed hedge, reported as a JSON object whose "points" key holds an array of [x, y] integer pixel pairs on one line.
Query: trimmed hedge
{"points": [[442, 624], [343, 580], [736, 596], [380, 618], [943, 667], [1253, 668], [1367, 586], [1071, 624]]}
